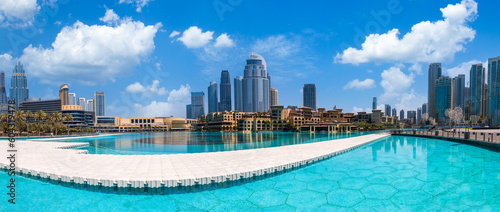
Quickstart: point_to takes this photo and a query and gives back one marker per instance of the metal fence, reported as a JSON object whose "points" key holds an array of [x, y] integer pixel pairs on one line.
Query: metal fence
{"points": [[477, 136]]}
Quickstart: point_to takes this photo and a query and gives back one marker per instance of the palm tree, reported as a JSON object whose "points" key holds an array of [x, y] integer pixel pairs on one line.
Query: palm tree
{"points": [[68, 118], [56, 117], [5, 119], [39, 115], [28, 115], [19, 116]]}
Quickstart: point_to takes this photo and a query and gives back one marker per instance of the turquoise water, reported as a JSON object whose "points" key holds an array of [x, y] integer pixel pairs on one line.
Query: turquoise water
{"points": [[396, 173], [195, 142]]}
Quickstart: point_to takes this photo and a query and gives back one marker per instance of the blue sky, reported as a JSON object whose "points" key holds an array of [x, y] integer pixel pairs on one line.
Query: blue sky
{"points": [[351, 51]]}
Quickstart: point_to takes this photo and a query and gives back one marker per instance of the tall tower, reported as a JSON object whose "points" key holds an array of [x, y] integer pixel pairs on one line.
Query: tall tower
{"points": [[443, 98], [493, 111], [225, 91], [255, 85], [309, 96], [374, 103], [3, 97], [197, 107], [477, 86], [388, 110], [72, 99], [434, 74], [238, 93], [274, 96], [19, 85], [90, 105], [81, 102], [213, 99], [64, 95], [99, 104], [458, 91], [401, 114]]}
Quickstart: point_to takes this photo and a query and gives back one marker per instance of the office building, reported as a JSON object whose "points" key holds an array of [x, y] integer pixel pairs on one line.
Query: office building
{"points": [[99, 104], [64, 94], [274, 96], [225, 91], [81, 102], [388, 110], [309, 96], [493, 92], [443, 97], [19, 85], [72, 99], [394, 112], [238, 93], [3, 96], [477, 89], [458, 91], [401, 114], [81, 118], [425, 108], [419, 114], [411, 114], [213, 98], [35, 104], [90, 105], [434, 74], [255, 85], [374, 103], [197, 107]]}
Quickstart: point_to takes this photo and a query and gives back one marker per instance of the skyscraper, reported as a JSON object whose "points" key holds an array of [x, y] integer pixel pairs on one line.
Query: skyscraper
{"points": [[458, 91], [213, 98], [238, 93], [274, 96], [477, 86], [99, 104], [374, 103], [401, 114], [434, 74], [394, 112], [443, 97], [493, 91], [256, 85], [3, 97], [71, 98], [81, 102], [197, 107], [419, 114], [19, 85], [425, 108], [309, 93], [64, 95], [225, 91], [388, 110], [90, 105]]}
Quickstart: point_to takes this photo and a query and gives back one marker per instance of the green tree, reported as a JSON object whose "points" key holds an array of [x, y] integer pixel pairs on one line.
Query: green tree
{"points": [[40, 116], [56, 118], [28, 115], [19, 116]]}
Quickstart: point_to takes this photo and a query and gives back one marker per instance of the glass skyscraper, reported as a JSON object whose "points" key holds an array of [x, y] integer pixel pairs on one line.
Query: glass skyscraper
{"points": [[493, 91], [197, 107], [99, 104], [3, 97], [19, 85], [213, 98], [394, 112], [309, 93], [458, 91], [225, 91], [274, 96], [64, 95], [238, 93], [401, 114], [72, 99], [374, 103], [90, 105], [81, 102], [388, 110], [443, 97], [255, 85], [477, 86], [434, 74]]}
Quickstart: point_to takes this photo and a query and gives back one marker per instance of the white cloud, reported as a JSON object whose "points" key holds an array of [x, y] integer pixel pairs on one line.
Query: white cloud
{"points": [[410, 101], [91, 54], [395, 82], [195, 38], [426, 42], [150, 90], [174, 106], [357, 109], [7, 63], [277, 45], [223, 41], [360, 85], [464, 68], [18, 12], [49, 94], [369, 71], [174, 33], [110, 17], [139, 4], [416, 67]]}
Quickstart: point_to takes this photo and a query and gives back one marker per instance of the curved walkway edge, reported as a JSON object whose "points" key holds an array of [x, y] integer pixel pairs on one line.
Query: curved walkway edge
{"points": [[53, 160]]}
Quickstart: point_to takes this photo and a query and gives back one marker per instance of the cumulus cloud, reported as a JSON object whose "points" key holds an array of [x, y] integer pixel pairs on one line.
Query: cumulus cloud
{"points": [[174, 106], [278, 45], [92, 54], [360, 85], [174, 33], [110, 17], [395, 82], [410, 101], [195, 38], [18, 12], [139, 4], [426, 42], [149, 90], [223, 41]]}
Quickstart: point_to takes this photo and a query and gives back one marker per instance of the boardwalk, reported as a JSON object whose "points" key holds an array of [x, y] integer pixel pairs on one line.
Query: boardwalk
{"points": [[53, 160]]}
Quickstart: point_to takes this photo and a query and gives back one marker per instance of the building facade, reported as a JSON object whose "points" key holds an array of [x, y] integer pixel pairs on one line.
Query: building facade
{"points": [[64, 94], [90, 105], [443, 97], [19, 85], [477, 89], [99, 104], [47, 106], [72, 99], [434, 74], [255, 85], [401, 114], [225, 91], [3, 96], [213, 98], [238, 93], [374, 103], [197, 107], [388, 110], [309, 96], [274, 96], [493, 110], [394, 112], [458, 91], [81, 102]]}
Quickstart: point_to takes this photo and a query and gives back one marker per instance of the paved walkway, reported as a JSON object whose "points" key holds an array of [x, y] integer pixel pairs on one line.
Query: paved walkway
{"points": [[52, 160]]}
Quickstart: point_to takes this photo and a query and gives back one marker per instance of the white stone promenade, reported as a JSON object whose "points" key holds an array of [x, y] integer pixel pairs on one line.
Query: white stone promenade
{"points": [[55, 161]]}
